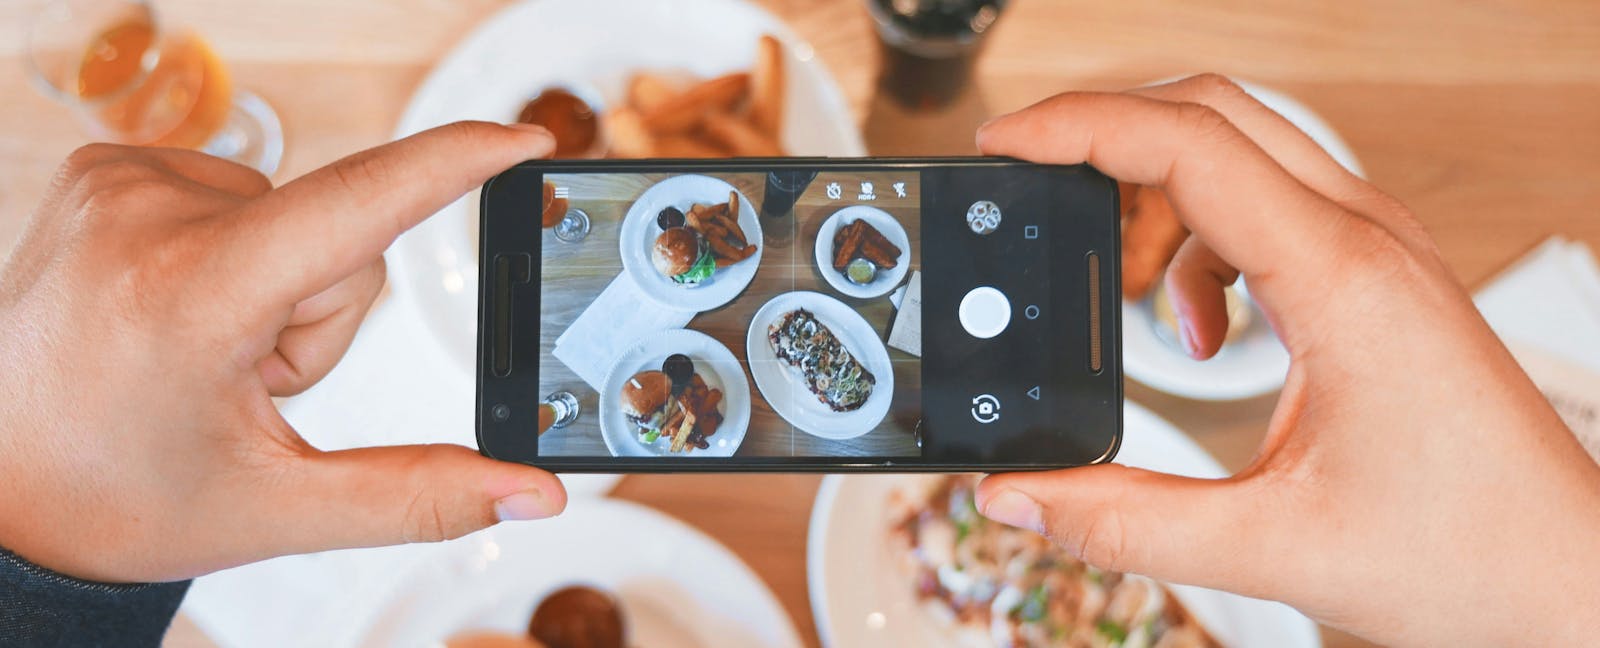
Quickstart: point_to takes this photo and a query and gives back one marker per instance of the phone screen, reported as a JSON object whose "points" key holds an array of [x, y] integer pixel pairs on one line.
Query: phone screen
{"points": [[824, 314]]}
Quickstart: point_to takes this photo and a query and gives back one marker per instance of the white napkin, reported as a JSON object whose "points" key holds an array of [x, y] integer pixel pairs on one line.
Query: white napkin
{"points": [[1550, 298], [1546, 307], [610, 326]]}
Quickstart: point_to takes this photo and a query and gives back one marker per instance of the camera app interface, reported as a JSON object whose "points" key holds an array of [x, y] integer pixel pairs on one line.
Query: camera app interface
{"points": [[752, 314]]}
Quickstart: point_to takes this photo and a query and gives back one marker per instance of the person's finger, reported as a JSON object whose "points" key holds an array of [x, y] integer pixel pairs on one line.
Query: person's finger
{"points": [[1181, 529], [217, 173], [1195, 280], [317, 229], [1227, 190], [1300, 155], [391, 495], [1224, 187], [319, 331], [97, 166]]}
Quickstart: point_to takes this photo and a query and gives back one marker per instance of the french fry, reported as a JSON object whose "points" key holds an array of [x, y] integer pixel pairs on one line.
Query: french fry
{"points": [[685, 110], [710, 402], [740, 137], [766, 88], [733, 202], [682, 146], [648, 91], [681, 435], [629, 138], [721, 248], [731, 225]]}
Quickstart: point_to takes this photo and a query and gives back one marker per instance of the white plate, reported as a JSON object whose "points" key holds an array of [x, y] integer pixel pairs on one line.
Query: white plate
{"points": [[678, 587], [638, 237], [888, 226], [1253, 364], [786, 391], [859, 597], [715, 364], [592, 44]]}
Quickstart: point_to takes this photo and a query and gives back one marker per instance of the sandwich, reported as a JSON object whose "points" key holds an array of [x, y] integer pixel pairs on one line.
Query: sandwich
{"points": [[682, 254], [645, 400]]}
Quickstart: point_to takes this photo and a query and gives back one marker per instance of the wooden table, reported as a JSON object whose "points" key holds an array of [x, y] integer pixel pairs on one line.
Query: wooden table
{"points": [[586, 268], [1483, 117]]}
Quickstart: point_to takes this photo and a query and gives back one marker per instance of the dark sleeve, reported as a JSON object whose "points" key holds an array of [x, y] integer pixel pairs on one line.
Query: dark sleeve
{"points": [[39, 607]]}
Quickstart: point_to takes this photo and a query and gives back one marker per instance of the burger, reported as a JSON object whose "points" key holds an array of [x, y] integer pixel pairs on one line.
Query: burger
{"points": [[644, 402], [681, 254]]}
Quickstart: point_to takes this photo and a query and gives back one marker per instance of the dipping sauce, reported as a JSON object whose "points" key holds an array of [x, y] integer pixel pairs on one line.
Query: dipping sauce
{"points": [[578, 617], [571, 120]]}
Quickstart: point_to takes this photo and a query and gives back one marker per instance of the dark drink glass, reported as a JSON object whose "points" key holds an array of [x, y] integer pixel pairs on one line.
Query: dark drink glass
{"points": [[929, 47], [777, 202]]}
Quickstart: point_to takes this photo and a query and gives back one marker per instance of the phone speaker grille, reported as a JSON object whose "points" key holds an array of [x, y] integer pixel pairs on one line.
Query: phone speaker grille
{"points": [[1095, 359]]}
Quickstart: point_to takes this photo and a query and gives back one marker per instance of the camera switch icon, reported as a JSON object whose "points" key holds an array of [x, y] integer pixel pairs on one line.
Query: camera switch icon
{"points": [[985, 408]]}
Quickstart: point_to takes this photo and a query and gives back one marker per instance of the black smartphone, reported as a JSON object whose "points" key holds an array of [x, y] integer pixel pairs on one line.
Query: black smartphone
{"points": [[775, 315]]}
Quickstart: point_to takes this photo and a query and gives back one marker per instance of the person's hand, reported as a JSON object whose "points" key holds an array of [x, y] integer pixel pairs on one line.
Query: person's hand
{"points": [[159, 300], [1413, 487]]}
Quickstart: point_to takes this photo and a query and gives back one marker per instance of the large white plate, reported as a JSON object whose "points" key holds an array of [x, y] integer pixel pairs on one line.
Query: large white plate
{"points": [[678, 587], [638, 237], [891, 229], [1253, 364], [715, 364], [859, 597], [786, 391], [593, 44]]}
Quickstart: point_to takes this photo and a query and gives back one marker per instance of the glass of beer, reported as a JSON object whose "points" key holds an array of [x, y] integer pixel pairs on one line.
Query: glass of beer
{"points": [[133, 80]]}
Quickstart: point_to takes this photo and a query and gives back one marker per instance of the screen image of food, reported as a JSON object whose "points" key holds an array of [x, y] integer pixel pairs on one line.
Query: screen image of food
{"points": [[752, 314]]}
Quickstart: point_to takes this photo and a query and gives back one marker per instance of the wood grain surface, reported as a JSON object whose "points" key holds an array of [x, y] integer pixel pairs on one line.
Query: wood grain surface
{"points": [[1483, 117]]}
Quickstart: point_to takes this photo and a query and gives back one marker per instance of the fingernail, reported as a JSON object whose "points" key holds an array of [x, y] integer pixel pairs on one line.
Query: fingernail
{"points": [[1186, 337], [1018, 510], [524, 505]]}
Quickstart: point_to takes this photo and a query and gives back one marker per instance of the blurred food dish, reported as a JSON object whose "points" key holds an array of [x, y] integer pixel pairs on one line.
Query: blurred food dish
{"points": [[887, 565], [673, 586], [597, 50]]}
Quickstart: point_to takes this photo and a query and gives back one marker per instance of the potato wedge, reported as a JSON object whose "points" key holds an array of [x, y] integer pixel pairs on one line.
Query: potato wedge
{"points": [[739, 137], [685, 110], [648, 91], [766, 88]]}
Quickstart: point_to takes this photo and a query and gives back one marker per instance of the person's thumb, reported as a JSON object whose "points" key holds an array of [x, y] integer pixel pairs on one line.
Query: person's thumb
{"points": [[420, 493], [1123, 519]]}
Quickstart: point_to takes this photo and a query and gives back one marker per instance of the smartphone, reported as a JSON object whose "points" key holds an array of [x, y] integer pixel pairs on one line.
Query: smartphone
{"points": [[775, 315]]}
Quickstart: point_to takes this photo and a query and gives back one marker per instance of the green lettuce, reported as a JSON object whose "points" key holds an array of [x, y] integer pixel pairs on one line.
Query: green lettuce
{"points": [[703, 268]]}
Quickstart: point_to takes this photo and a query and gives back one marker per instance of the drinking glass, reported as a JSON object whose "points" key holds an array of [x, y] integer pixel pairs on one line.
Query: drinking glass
{"points": [[133, 80], [559, 409]]}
